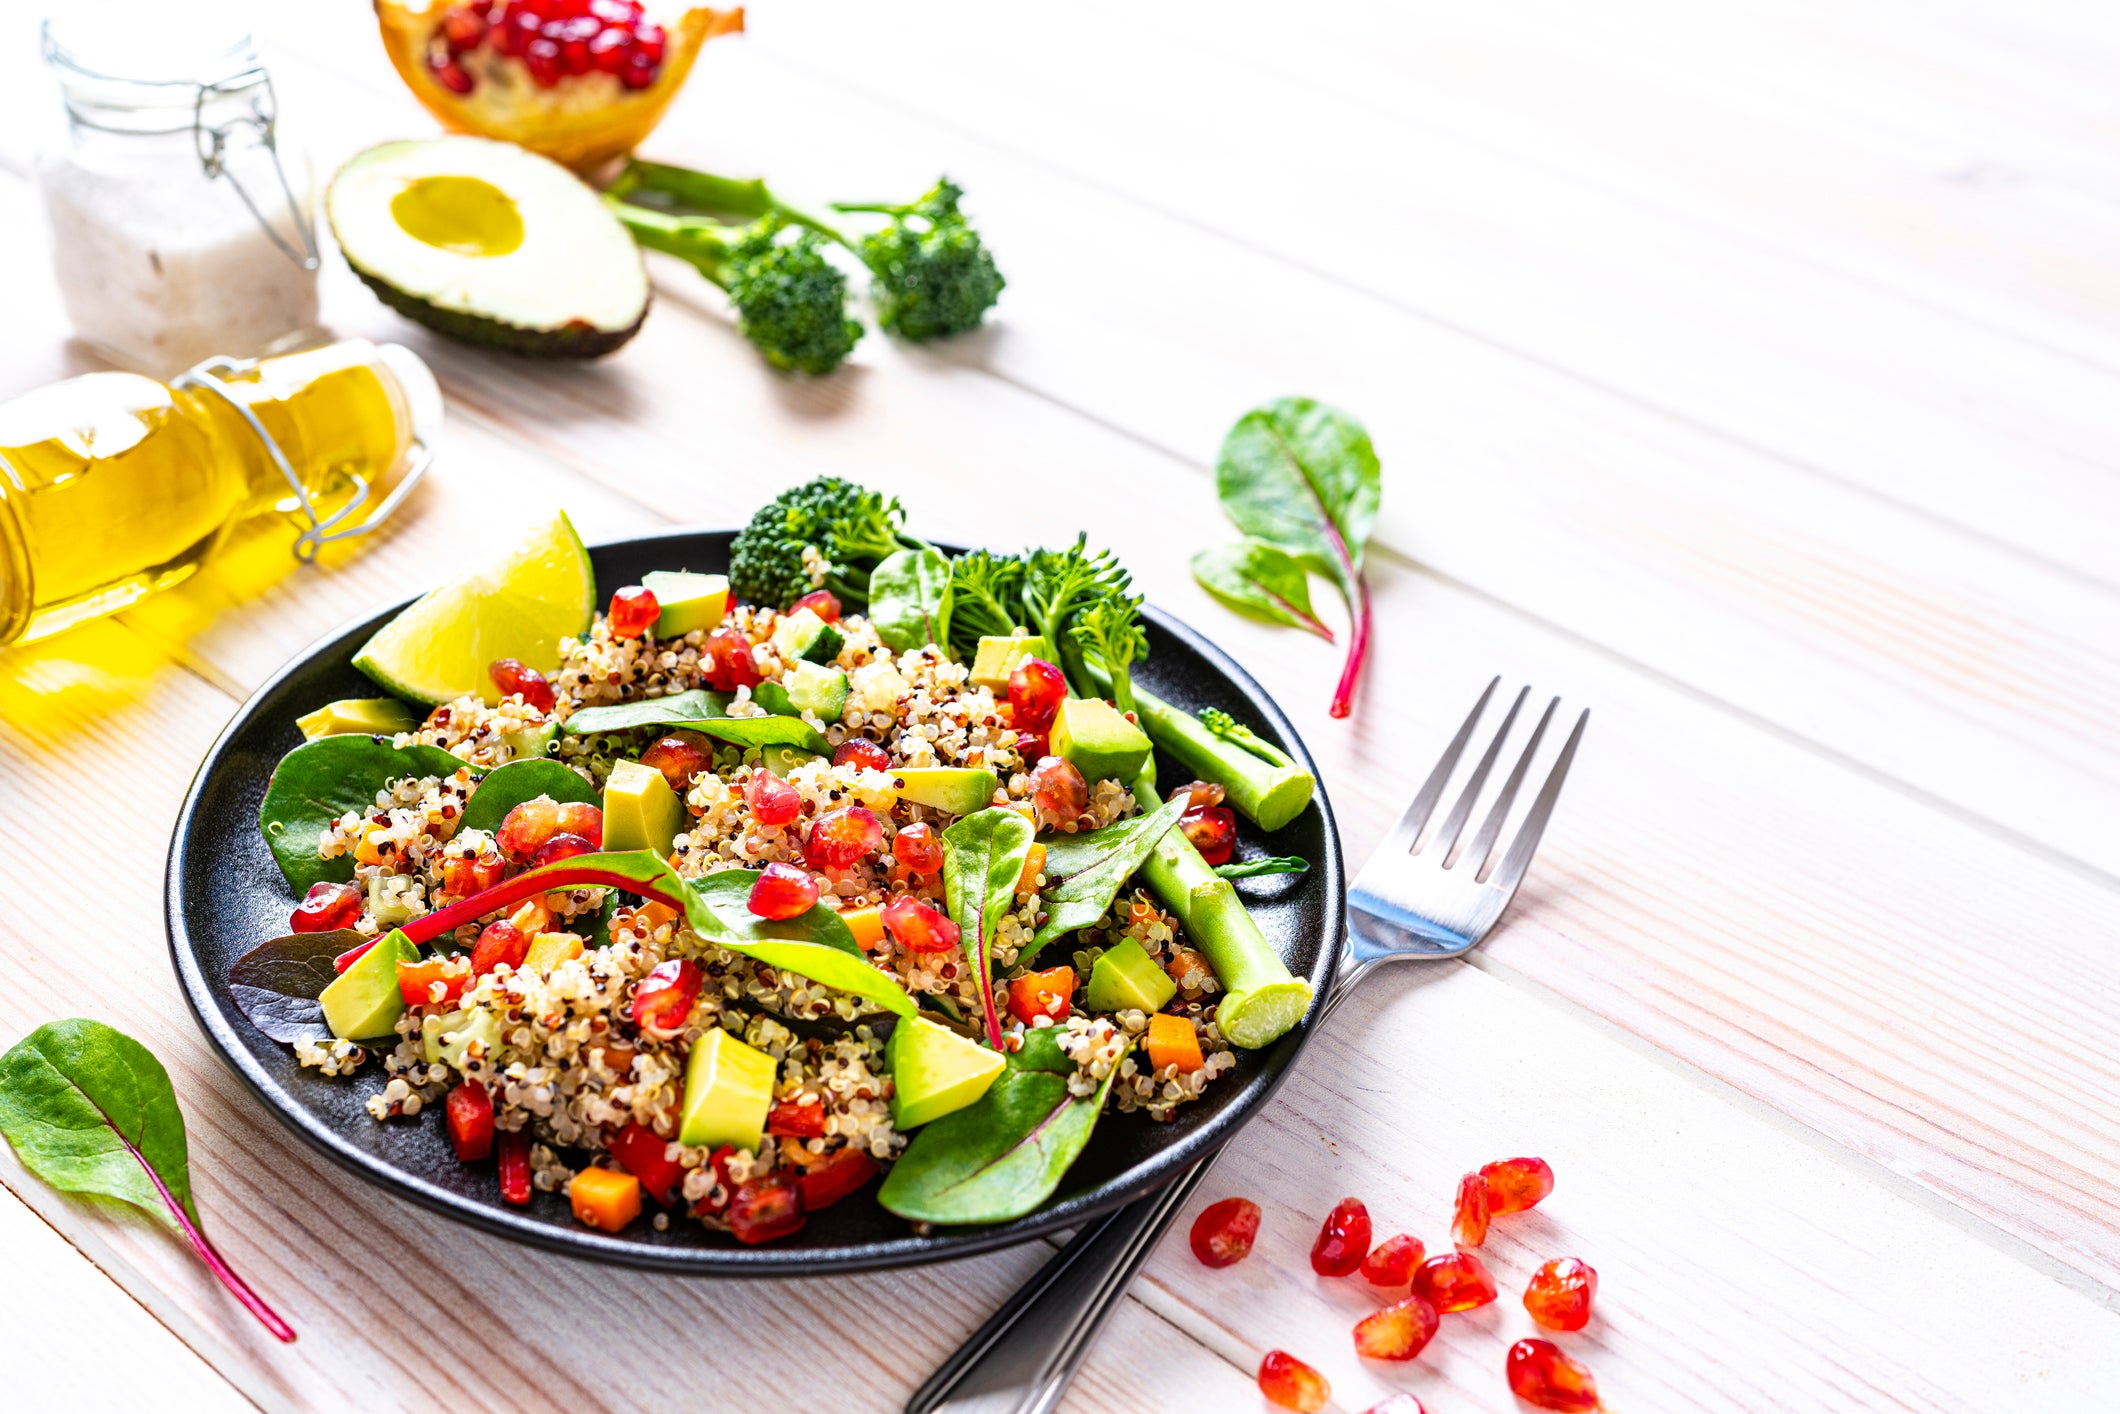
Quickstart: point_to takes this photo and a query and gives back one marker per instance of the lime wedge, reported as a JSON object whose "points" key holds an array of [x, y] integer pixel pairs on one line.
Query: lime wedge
{"points": [[518, 605]]}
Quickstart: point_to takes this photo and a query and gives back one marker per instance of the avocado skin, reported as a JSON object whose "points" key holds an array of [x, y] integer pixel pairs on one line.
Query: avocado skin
{"points": [[571, 341]]}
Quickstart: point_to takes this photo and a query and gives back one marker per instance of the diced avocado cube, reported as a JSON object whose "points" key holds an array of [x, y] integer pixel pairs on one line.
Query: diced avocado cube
{"points": [[781, 760], [688, 600], [728, 1089], [803, 635], [812, 687], [358, 716], [461, 1028], [640, 809], [527, 742], [1100, 741], [1126, 978], [363, 1003], [998, 657], [935, 1071], [961, 790]]}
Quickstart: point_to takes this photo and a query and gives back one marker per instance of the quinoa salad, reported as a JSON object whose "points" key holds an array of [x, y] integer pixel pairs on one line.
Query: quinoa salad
{"points": [[848, 863]]}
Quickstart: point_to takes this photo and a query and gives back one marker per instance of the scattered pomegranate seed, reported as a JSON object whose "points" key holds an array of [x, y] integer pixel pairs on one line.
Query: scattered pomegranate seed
{"points": [[679, 756], [1468, 1225], [783, 891], [1343, 1240], [842, 838], [633, 609], [1058, 790], [857, 751], [1454, 1281], [1290, 1383], [1560, 1294], [916, 927], [1541, 1374], [733, 665], [918, 848], [498, 943], [1223, 1233], [578, 817], [514, 679], [514, 1146], [766, 1207], [1035, 691], [643, 1153], [326, 908], [1398, 1332], [796, 1119], [1400, 1403], [1213, 832], [470, 1114], [1392, 1261], [663, 999], [525, 829], [1199, 795], [821, 602], [1046, 994], [561, 846], [1034, 747], [772, 800], [1514, 1185]]}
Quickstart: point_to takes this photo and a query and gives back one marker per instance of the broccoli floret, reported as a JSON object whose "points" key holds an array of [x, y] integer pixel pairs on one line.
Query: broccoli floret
{"points": [[986, 598], [934, 276], [851, 527], [1058, 585], [1110, 630], [1231, 730]]}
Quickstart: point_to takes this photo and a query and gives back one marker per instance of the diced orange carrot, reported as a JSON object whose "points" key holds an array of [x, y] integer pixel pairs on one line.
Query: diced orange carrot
{"points": [[549, 950], [656, 914], [1172, 1041], [531, 918], [605, 1198], [1033, 866], [1184, 962], [866, 924]]}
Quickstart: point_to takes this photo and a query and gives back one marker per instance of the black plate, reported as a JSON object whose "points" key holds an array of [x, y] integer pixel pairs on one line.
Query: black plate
{"points": [[224, 895]]}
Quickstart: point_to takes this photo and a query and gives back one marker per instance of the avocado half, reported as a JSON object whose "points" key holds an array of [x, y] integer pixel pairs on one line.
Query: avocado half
{"points": [[489, 243]]}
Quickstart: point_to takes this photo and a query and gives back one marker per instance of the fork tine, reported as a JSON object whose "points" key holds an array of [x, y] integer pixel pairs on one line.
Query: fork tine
{"points": [[1491, 829], [1518, 859], [1400, 840], [1453, 824]]}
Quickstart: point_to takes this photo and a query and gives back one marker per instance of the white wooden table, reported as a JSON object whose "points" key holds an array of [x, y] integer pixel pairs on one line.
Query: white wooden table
{"points": [[1748, 371]]}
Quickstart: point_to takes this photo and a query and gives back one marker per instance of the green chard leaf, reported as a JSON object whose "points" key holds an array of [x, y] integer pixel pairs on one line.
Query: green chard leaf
{"points": [[1003, 1155], [1259, 868], [982, 857], [321, 780], [1260, 581], [1085, 872], [909, 601], [90, 1110], [682, 709], [505, 787]]}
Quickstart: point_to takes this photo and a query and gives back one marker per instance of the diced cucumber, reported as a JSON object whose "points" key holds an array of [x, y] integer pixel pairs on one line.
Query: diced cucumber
{"points": [[803, 635], [815, 688]]}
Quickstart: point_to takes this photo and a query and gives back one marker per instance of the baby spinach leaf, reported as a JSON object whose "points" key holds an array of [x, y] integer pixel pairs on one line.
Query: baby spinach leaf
{"points": [[681, 709], [1084, 873], [1001, 1156], [321, 780], [1260, 581], [982, 857], [90, 1110], [774, 698], [277, 983], [505, 787], [1257, 868], [909, 598]]}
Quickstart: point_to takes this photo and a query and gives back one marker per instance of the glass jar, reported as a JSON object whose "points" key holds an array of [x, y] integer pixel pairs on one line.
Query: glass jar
{"points": [[181, 218]]}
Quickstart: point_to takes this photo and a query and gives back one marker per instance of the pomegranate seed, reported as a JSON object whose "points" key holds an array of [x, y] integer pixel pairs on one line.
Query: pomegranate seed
{"points": [[1046, 994], [840, 839], [470, 1115], [821, 602], [514, 679], [857, 751], [680, 756], [499, 943], [1392, 1261], [327, 907], [1513, 1185], [1290, 1383], [464, 26], [796, 1119], [574, 56], [1468, 1225], [639, 72], [649, 38], [464, 876], [1035, 690], [541, 58], [1400, 1403], [578, 817], [633, 609], [783, 891], [1058, 790], [515, 1167], [663, 999], [918, 848], [1213, 832], [449, 74], [560, 846], [766, 1207], [644, 1154], [1398, 1332], [1223, 1233], [917, 927], [608, 51], [1343, 1240], [525, 829], [733, 665], [772, 800], [1199, 795], [1560, 1294], [1542, 1375], [1454, 1281]]}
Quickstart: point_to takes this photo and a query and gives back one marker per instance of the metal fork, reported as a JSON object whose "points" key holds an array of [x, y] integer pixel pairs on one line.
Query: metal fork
{"points": [[1419, 897]]}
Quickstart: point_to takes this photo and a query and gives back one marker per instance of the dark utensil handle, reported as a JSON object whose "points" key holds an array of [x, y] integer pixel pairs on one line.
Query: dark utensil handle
{"points": [[1013, 1365]]}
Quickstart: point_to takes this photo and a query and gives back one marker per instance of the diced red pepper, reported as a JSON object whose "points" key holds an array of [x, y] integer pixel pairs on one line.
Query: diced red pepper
{"points": [[766, 1207], [416, 978], [643, 1153], [831, 1180], [470, 1114], [514, 1149], [796, 1119]]}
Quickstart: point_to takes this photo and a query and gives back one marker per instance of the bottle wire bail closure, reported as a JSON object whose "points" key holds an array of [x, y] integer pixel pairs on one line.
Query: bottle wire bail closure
{"points": [[320, 531], [212, 142]]}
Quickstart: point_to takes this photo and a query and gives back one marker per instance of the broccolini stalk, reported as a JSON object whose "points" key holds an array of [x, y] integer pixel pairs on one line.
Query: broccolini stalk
{"points": [[1110, 630], [1257, 777]]}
